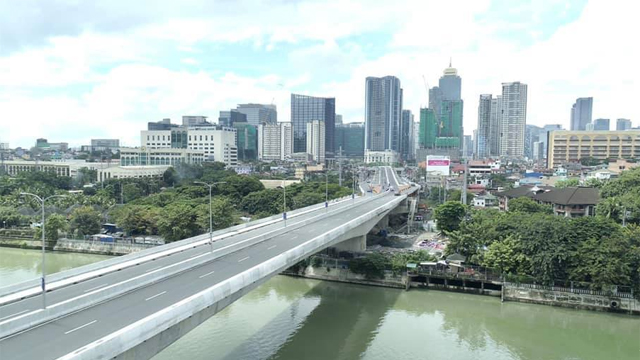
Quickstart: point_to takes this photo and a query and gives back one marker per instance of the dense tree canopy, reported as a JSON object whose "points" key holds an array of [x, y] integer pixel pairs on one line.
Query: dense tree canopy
{"points": [[449, 215]]}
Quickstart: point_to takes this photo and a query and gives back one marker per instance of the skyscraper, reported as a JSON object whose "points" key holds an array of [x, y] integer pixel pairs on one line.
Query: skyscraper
{"points": [[315, 140], [447, 105], [601, 124], [351, 138], [428, 129], [581, 113], [305, 109], [483, 138], [623, 124], [383, 109], [406, 137], [531, 135], [495, 125], [259, 113], [514, 119], [450, 84]]}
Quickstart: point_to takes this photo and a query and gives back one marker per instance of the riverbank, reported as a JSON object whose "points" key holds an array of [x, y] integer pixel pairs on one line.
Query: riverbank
{"points": [[77, 246], [524, 293]]}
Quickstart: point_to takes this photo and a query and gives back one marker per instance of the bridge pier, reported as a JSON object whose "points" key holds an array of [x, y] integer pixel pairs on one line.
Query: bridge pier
{"points": [[384, 222], [355, 244]]}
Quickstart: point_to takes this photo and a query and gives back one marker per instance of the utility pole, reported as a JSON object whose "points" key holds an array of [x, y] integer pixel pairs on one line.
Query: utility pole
{"points": [[340, 165], [464, 182]]}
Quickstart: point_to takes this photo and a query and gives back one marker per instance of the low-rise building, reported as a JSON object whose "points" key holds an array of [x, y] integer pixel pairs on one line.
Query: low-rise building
{"points": [[570, 146], [14, 167], [574, 201], [126, 172], [485, 201], [620, 165], [382, 157], [166, 156]]}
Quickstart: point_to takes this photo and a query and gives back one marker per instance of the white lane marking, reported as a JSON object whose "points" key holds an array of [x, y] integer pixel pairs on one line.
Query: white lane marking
{"points": [[16, 314], [294, 237], [155, 296], [154, 268], [97, 272], [207, 274], [269, 248], [243, 259], [97, 287], [81, 326]]}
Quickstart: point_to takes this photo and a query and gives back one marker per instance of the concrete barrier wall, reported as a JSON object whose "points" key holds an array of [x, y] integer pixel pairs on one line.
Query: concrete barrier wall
{"points": [[571, 300], [99, 247], [35, 283], [165, 324], [27, 321]]}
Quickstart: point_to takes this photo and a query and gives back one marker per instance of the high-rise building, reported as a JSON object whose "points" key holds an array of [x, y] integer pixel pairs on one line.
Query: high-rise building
{"points": [[269, 142], [416, 139], [514, 119], [447, 105], [338, 119], [199, 120], [315, 140], [105, 144], [164, 124], [406, 135], [228, 118], [572, 146], [531, 135], [450, 84], [246, 140], [581, 113], [467, 146], [601, 125], [428, 129], [495, 121], [383, 111], [305, 109], [213, 143], [259, 113], [623, 124], [350, 137], [286, 140], [483, 138]]}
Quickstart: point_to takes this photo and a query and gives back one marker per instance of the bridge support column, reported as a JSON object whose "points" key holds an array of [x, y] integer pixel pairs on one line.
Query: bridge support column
{"points": [[384, 222], [355, 244]]}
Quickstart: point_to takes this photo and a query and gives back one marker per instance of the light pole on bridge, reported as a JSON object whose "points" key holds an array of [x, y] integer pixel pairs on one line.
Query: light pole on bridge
{"points": [[42, 201], [210, 211]]}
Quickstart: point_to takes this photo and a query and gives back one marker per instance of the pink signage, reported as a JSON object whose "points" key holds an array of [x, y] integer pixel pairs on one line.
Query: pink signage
{"points": [[443, 162]]}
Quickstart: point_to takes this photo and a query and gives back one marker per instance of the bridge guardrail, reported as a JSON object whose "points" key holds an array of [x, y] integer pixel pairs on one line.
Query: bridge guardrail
{"points": [[26, 321], [64, 275]]}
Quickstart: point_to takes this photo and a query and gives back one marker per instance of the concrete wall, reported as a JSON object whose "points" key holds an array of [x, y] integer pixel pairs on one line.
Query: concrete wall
{"points": [[571, 300], [26, 243], [345, 275], [98, 247]]}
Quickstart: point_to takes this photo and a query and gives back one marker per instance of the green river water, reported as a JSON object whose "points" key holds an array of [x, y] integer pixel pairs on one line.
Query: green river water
{"points": [[290, 319]]}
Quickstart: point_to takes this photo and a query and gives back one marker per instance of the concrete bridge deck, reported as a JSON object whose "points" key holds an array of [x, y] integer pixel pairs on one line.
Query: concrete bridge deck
{"points": [[176, 291]]}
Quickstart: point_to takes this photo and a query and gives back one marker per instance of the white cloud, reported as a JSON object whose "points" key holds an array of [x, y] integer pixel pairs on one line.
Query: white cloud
{"points": [[110, 83]]}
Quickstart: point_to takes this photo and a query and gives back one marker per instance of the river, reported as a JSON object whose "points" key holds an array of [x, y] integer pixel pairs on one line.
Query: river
{"points": [[291, 319]]}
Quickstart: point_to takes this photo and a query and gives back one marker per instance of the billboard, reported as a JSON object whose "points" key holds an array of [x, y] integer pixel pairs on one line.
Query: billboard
{"points": [[440, 164]]}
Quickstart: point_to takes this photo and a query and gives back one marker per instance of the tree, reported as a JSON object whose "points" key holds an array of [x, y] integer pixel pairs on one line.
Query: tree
{"points": [[265, 201], [179, 221], [222, 214], [85, 220], [137, 219], [449, 215], [372, 265], [506, 256], [54, 224], [590, 161], [10, 216], [602, 262], [131, 192], [307, 199], [567, 183], [528, 205], [593, 182]]}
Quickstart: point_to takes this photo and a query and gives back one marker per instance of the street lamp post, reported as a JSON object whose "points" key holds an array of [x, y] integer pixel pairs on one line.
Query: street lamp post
{"points": [[284, 202], [210, 211], [326, 190], [42, 227]]}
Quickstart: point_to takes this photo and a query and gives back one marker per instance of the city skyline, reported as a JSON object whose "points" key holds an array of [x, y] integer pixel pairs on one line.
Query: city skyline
{"points": [[107, 79]]}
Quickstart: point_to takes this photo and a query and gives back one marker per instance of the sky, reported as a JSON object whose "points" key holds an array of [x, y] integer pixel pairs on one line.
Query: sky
{"points": [[75, 70]]}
